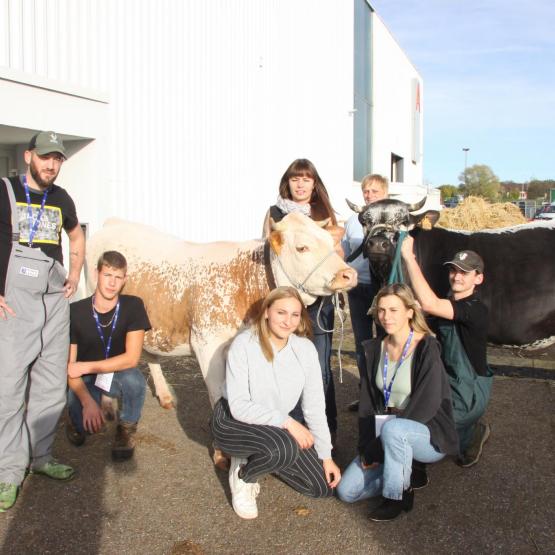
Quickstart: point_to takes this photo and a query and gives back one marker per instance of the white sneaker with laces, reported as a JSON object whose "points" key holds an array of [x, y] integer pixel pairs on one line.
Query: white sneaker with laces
{"points": [[243, 494]]}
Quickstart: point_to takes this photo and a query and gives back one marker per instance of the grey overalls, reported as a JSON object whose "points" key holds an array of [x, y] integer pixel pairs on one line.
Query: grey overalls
{"points": [[34, 346], [470, 392]]}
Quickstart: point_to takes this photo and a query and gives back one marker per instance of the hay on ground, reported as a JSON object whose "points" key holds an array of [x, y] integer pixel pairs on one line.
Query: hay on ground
{"points": [[476, 214]]}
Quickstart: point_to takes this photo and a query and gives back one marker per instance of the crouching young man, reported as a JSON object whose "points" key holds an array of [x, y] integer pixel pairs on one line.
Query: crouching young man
{"points": [[107, 334]]}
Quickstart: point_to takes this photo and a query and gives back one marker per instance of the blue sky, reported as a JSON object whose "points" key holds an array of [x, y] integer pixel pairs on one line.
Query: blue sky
{"points": [[488, 68]]}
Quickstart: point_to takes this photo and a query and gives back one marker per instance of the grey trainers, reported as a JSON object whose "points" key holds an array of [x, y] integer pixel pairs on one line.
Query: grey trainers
{"points": [[8, 495], [124, 442], [472, 454]]}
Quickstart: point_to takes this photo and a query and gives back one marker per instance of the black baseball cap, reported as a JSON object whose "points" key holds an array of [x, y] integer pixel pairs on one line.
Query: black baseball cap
{"points": [[467, 261]]}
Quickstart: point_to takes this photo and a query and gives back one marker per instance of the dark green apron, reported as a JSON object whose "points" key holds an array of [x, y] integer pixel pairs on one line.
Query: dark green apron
{"points": [[469, 391]]}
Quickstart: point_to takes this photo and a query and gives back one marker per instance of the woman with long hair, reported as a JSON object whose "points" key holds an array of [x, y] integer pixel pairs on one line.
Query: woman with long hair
{"points": [[270, 367], [405, 407], [301, 190]]}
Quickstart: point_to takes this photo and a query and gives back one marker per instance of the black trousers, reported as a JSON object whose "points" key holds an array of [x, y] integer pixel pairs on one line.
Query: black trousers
{"points": [[269, 450]]}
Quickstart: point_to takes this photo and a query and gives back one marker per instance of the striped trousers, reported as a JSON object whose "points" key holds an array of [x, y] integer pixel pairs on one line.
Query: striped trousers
{"points": [[269, 450]]}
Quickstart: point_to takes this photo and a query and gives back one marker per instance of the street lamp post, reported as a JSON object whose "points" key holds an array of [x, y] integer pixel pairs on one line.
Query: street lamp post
{"points": [[465, 150]]}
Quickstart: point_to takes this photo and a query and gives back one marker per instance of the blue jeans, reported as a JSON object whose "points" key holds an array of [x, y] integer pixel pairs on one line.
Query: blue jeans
{"points": [[402, 440], [129, 386], [360, 301]]}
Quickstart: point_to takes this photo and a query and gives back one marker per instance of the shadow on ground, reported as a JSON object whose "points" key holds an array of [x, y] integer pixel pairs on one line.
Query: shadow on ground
{"points": [[170, 499]]}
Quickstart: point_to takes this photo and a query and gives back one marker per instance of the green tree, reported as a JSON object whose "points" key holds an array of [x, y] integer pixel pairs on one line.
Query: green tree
{"points": [[448, 191], [540, 189], [480, 181]]}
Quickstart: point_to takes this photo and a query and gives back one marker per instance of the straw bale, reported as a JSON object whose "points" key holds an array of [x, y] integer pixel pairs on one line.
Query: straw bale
{"points": [[475, 214]]}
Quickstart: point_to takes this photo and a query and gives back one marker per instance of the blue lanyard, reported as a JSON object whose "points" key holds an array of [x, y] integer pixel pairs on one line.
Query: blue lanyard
{"points": [[33, 225], [107, 346], [387, 390]]}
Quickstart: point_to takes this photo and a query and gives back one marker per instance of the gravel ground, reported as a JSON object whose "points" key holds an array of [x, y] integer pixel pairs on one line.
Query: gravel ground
{"points": [[171, 500]]}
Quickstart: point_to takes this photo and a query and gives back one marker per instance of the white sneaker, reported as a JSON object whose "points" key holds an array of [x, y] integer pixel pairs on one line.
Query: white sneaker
{"points": [[243, 494]]}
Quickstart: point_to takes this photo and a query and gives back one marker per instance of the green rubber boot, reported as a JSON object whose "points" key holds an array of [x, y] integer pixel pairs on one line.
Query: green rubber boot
{"points": [[55, 470], [8, 495]]}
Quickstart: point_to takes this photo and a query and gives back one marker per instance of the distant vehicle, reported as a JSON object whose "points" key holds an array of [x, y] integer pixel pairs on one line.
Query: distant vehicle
{"points": [[545, 212], [451, 202]]}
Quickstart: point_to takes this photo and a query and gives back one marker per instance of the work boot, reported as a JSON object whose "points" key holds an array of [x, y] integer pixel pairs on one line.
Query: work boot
{"points": [[73, 435], [243, 494], [392, 508], [124, 442], [55, 470], [8, 495], [473, 452]]}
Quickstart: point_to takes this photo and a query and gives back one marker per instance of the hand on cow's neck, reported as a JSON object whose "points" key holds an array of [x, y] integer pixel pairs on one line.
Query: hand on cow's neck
{"points": [[103, 305]]}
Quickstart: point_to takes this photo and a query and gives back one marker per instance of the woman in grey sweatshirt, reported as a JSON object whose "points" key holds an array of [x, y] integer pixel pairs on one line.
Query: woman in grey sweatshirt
{"points": [[270, 366]]}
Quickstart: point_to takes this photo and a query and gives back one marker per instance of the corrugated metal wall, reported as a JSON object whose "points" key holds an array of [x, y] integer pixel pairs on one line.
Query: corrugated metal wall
{"points": [[61, 40], [208, 101], [212, 100]]}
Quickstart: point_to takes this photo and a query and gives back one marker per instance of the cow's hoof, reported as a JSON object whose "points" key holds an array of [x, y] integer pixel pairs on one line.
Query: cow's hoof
{"points": [[166, 402], [221, 460]]}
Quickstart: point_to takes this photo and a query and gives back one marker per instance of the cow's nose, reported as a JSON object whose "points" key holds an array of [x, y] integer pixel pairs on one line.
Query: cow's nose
{"points": [[344, 279]]}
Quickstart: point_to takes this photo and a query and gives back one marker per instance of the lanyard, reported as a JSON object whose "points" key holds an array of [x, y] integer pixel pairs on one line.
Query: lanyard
{"points": [[107, 346], [387, 390], [33, 225]]}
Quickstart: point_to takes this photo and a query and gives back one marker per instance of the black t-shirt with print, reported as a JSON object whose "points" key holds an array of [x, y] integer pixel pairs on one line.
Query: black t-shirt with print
{"points": [[84, 333], [59, 212]]}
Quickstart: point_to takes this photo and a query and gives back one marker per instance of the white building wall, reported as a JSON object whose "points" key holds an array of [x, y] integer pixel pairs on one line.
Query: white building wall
{"points": [[210, 101], [392, 74], [188, 112]]}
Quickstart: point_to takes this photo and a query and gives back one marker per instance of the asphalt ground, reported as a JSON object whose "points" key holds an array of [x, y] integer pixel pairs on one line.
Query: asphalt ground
{"points": [[171, 500]]}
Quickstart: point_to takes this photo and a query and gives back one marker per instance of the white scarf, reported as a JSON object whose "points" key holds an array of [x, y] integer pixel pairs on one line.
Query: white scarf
{"points": [[287, 206]]}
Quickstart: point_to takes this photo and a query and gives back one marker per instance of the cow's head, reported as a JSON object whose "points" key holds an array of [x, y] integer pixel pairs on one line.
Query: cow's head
{"points": [[304, 256], [382, 221]]}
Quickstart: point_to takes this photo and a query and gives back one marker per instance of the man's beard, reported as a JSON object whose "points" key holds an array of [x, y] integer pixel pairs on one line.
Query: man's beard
{"points": [[43, 184]]}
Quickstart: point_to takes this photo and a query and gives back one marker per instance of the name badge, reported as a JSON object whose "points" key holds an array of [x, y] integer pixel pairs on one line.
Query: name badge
{"points": [[104, 381], [381, 419], [29, 272]]}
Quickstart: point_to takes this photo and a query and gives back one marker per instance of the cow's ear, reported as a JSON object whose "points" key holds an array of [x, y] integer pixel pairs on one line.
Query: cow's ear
{"points": [[426, 220], [276, 241], [336, 232], [322, 223]]}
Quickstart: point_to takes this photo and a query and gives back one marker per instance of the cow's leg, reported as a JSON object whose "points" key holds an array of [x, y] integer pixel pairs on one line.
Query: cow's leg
{"points": [[161, 387], [211, 355], [107, 406]]}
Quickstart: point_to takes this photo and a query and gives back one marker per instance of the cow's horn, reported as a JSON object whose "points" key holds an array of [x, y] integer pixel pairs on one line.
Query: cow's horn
{"points": [[417, 205], [354, 207]]}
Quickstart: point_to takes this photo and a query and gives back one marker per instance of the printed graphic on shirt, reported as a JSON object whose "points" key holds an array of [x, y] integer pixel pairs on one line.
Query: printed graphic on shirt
{"points": [[50, 225]]}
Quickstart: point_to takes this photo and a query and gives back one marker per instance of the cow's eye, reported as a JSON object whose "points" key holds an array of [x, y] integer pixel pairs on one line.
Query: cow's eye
{"points": [[302, 248]]}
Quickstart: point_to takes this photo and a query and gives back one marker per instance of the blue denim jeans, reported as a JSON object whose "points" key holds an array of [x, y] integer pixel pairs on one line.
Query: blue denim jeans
{"points": [[402, 440], [129, 386]]}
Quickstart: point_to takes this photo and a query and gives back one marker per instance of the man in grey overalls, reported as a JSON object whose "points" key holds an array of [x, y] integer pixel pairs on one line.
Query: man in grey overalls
{"points": [[34, 314], [462, 331]]}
